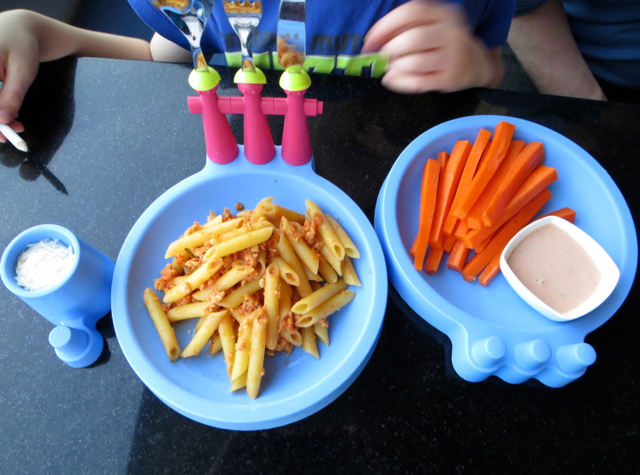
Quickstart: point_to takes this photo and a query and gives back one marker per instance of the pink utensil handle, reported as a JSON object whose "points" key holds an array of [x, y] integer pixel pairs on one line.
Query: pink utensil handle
{"points": [[221, 144], [258, 141], [296, 142]]}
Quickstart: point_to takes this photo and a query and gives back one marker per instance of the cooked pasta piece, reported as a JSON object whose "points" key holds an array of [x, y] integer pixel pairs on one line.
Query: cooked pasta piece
{"points": [[287, 253], [325, 309], [326, 231], [272, 304], [300, 247], [349, 272], [233, 245], [193, 281], [198, 238], [255, 369], [203, 334], [350, 248], [228, 341], [318, 297], [236, 297], [186, 311], [161, 322], [309, 341]]}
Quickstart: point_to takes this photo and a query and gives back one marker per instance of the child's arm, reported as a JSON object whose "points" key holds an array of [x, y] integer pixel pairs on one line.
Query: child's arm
{"points": [[543, 43], [432, 48], [163, 49], [28, 38]]}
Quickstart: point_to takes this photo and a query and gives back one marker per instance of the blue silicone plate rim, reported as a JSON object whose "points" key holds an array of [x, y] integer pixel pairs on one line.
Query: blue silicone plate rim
{"points": [[278, 404], [583, 185]]}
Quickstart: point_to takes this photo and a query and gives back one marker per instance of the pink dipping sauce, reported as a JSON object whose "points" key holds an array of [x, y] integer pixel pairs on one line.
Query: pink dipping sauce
{"points": [[555, 268]]}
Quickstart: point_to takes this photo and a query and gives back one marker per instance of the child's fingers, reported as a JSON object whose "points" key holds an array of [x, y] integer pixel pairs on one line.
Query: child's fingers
{"points": [[16, 126], [19, 76], [422, 38], [408, 16]]}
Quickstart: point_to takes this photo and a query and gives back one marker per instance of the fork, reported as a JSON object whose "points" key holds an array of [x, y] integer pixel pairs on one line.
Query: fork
{"points": [[244, 17], [190, 17]]}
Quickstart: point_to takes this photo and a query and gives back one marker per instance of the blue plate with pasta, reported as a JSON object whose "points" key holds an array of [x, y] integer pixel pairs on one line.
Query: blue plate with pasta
{"points": [[492, 330], [294, 386]]}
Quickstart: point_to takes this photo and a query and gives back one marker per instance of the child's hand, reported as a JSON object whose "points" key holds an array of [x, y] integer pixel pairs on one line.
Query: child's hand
{"points": [[19, 59], [431, 47]]}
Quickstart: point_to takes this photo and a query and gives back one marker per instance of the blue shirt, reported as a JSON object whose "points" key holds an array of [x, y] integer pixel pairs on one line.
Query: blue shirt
{"points": [[607, 33], [334, 31]]}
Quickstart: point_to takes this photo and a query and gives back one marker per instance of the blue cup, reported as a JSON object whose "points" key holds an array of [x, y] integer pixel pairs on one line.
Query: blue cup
{"points": [[76, 303]]}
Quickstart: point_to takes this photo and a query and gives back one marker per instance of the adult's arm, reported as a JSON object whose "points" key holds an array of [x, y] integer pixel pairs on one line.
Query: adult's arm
{"points": [[545, 47]]}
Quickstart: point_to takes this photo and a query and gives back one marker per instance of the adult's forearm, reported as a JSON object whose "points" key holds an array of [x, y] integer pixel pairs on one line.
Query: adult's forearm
{"points": [[545, 47]]}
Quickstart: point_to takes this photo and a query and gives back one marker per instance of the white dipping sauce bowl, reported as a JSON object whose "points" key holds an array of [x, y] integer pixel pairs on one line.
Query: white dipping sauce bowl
{"points": [[609, 272]]}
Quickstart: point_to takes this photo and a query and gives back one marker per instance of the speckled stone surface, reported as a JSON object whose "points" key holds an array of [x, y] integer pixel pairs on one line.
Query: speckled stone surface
{"points": [[108, 137]]}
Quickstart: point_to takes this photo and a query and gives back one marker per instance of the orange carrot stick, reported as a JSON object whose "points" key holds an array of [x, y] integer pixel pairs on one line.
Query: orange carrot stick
{"points": [[458, 256], [428, 193], [493, 267], [461, 229], [497, 150], [443, 158], [502, 237], [564, 213], [530, 157], [474, 217], [489, 272], [447, 188], [467, 175], [539, 179], [449, 241], [433, 260], [479, 247]]}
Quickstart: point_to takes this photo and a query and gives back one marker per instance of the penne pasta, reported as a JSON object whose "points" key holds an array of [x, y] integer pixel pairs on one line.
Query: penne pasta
{"points": [[287, 253], [241, 231], [277, 212], [282, 278], [329, 236], [203, 334], [256, 354], [225, 282], [318, 297], [272, 304], [321, 330], [193, 281], [215, 345], [349, 272], [350, 249], [325, 309], [300, 247], [228, 341], [190, 310], [198, 238], [330, 257], [212, 220], [261, 264], [236, 297], [286, 271], [327, 272], [309, 342], [160, 321], [243, 347], [236, 244]]}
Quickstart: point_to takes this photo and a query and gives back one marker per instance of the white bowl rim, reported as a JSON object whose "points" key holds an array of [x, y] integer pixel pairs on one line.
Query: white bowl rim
{"points": [[605, 264]]}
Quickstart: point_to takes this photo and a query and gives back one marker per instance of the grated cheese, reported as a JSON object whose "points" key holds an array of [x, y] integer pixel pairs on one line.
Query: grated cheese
{"points": [[44, 264]]}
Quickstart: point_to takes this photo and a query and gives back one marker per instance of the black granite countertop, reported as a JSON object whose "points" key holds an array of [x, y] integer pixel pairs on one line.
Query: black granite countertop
{"points": [[108, 137]]}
